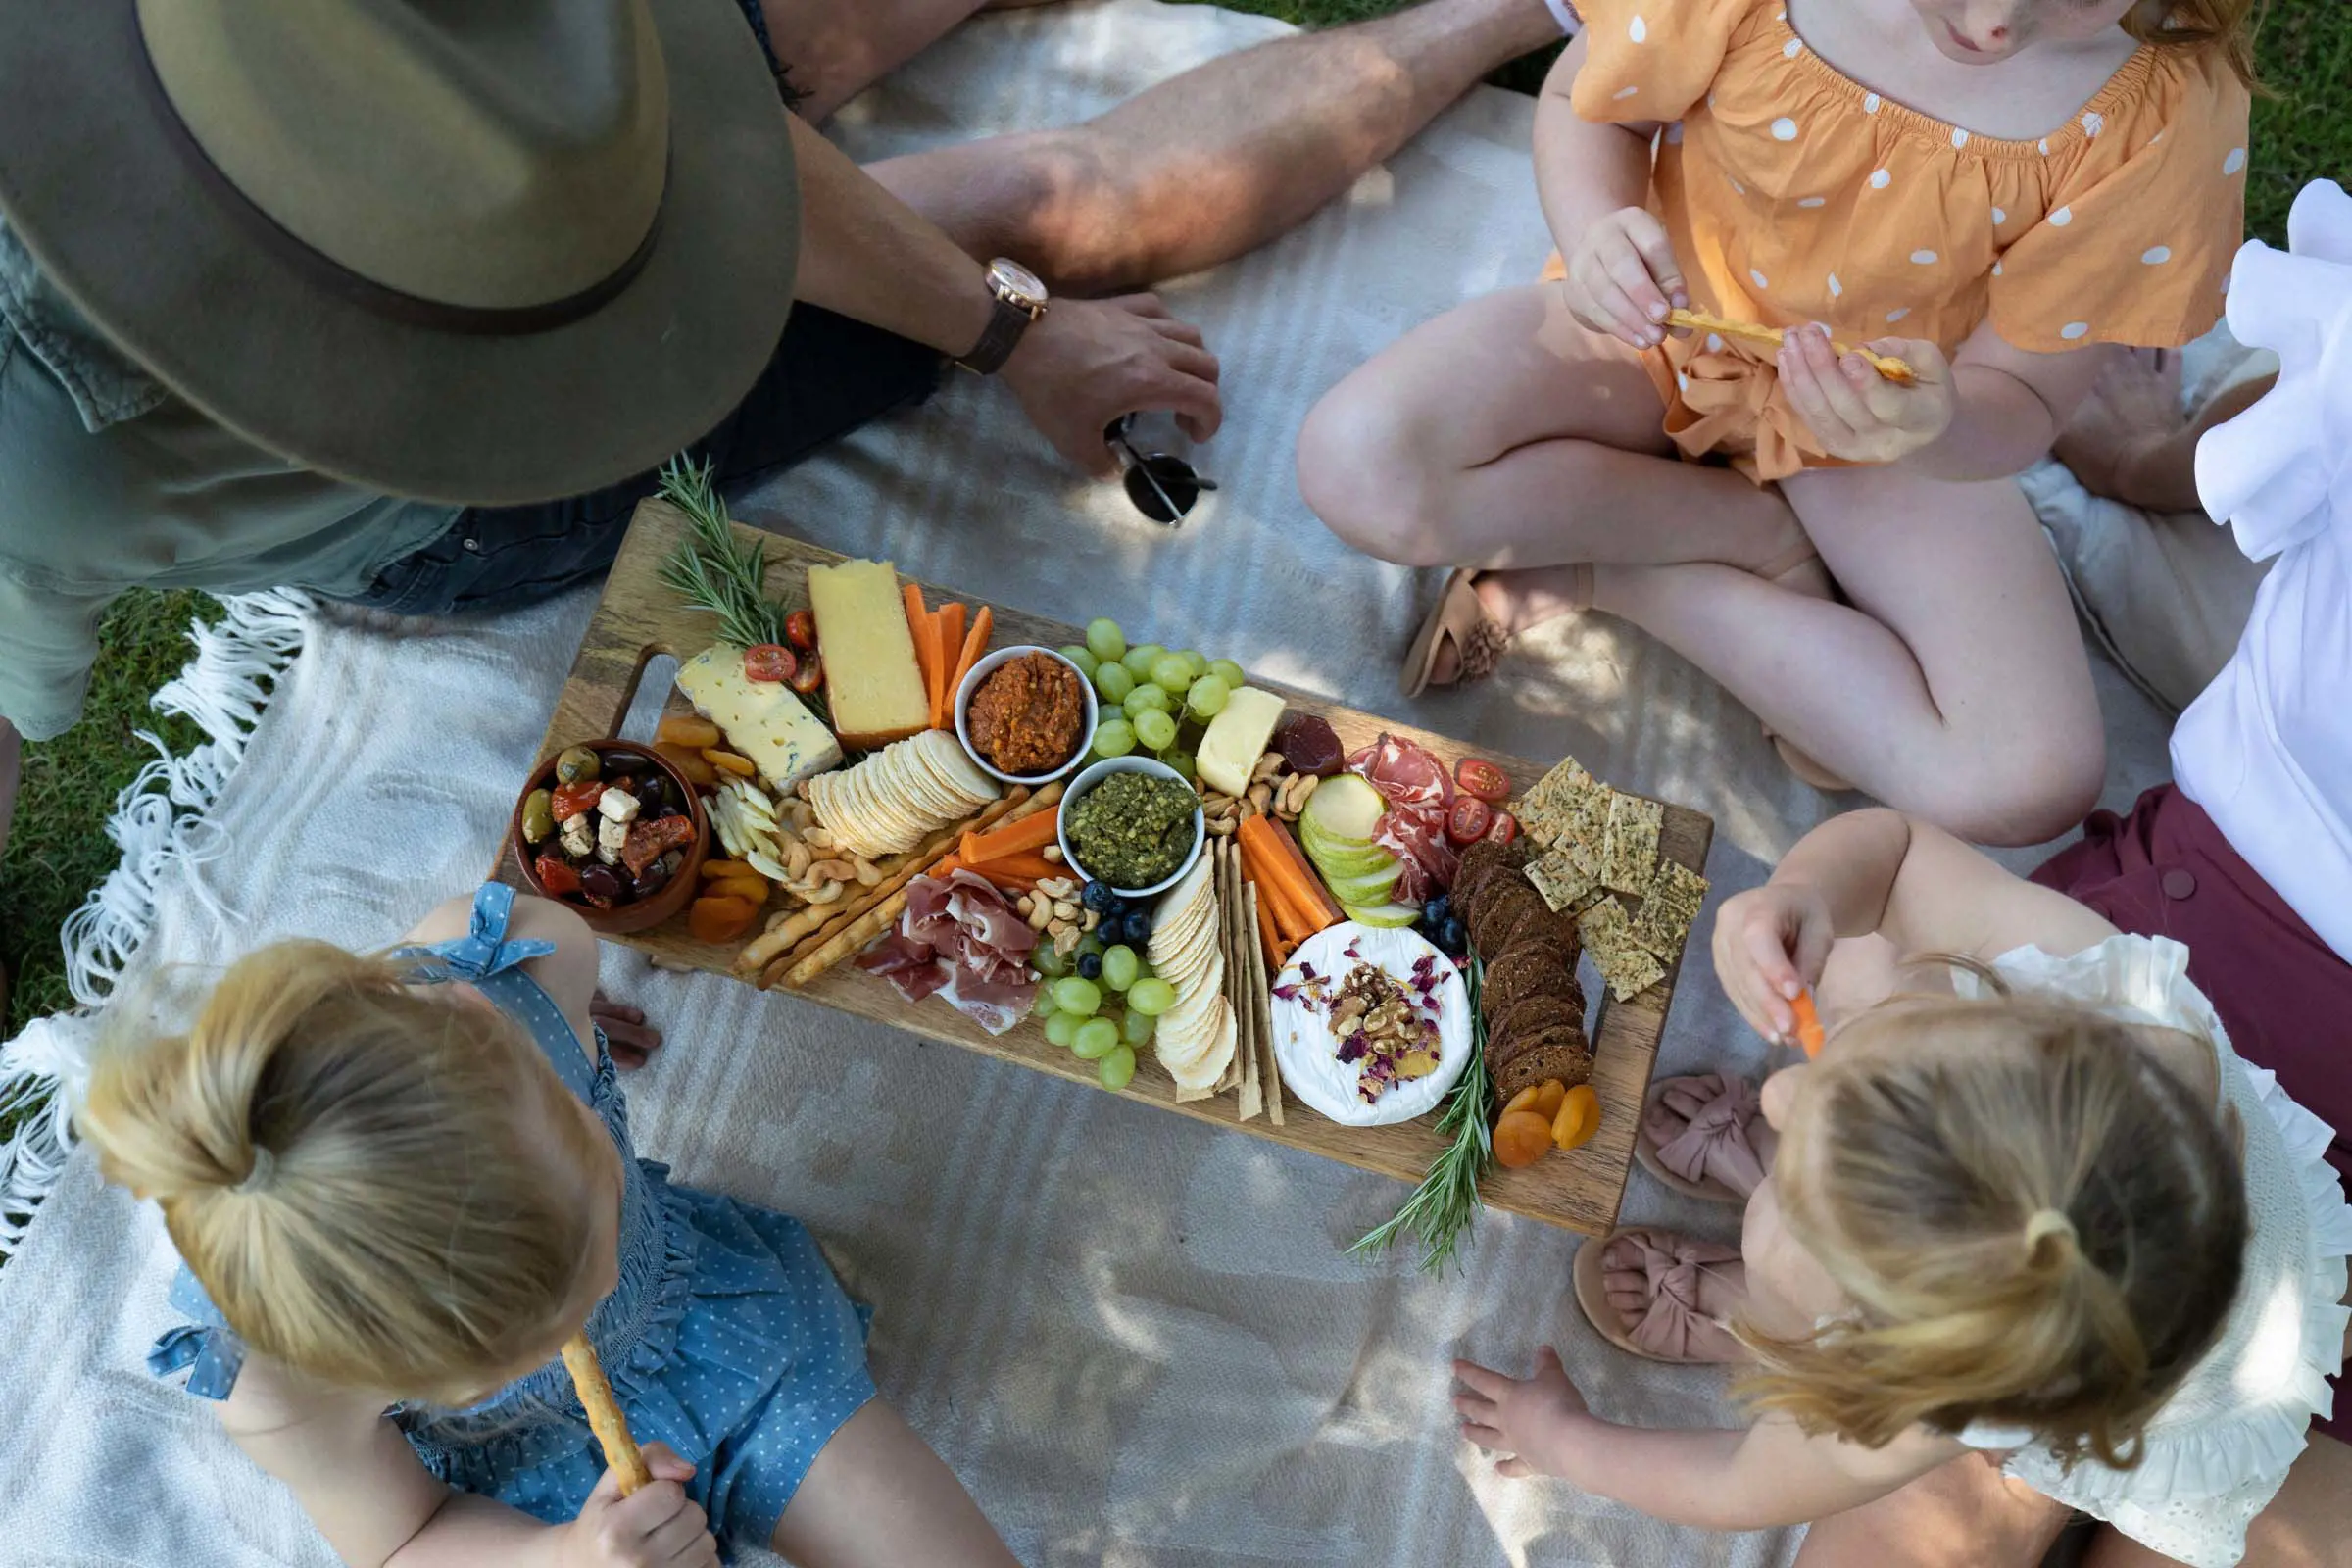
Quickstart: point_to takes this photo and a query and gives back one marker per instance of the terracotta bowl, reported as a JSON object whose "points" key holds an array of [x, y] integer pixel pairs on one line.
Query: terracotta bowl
{"points": [[646, 913]]}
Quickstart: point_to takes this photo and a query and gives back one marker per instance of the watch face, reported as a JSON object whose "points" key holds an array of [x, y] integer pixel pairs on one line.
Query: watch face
{"points": [[1019, 282]]}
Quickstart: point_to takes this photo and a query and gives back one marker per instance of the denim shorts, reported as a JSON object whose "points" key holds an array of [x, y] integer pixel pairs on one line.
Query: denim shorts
{"points": [[829, 375]]}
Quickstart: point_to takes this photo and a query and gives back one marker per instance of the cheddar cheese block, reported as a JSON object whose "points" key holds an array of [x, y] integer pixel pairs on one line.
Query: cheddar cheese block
{"points": [[764, 719], [872, 682], [1236, 739]]}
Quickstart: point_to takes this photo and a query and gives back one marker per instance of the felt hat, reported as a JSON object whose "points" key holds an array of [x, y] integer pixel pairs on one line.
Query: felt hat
{"points": [[487, 252]]}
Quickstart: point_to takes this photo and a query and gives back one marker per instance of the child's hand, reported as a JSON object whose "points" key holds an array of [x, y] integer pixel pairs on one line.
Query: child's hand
{"points": [[1771, 942], [1622, 278], [660, 1527], [1524, 1420], [1858, 413]]}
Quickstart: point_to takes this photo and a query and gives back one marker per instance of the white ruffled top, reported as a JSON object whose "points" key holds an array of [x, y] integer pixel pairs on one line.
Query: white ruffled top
{"points": [[2220, 1448]]}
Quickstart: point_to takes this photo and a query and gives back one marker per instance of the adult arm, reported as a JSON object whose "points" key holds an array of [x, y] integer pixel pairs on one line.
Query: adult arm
{"points": [[866, 255]]}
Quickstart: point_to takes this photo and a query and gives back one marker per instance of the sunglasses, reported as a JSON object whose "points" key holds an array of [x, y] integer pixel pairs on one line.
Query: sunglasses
{"points": [[1163, 486]]}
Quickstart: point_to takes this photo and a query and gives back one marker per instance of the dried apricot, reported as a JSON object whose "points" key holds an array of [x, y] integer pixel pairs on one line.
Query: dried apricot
{"points": [[720, 920], [690, 730], [699, 773], [729, 762], [751, 889], [1577, 1118], [714, 870], [1523, 1099], [1521, 1138], [1548, 1094]]}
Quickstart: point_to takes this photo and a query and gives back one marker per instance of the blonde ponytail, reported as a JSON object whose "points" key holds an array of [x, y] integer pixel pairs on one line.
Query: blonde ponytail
{"points": [[382, 1187], [2043, 1228]]}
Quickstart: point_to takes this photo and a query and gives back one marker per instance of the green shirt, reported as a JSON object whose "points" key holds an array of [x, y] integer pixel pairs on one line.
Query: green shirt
{"points": [[107, 481]]}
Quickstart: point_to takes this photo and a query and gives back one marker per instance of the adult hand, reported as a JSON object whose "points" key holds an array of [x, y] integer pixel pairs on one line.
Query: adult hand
{"points": [[1622, 277], [1090, 362], [660, 1527], [1858, 413], [1523, 1419], [1771, 942], [630, 1037]]}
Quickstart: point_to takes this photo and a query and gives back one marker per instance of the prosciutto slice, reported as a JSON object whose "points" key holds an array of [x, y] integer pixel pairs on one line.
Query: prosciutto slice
{"points": [[1414, 783], [960, 940]]}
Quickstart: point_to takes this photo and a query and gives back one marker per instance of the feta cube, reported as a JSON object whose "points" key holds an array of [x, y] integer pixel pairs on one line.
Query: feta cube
{"points": [[617, 804], [611, 836], [579, 836]]}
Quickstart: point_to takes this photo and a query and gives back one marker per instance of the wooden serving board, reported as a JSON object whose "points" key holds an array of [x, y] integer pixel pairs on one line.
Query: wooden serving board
{"points": [[639, 618]]}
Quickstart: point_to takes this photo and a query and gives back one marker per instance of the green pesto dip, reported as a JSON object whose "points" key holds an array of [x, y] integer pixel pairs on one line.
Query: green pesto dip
{"points": [[1132, 829]]}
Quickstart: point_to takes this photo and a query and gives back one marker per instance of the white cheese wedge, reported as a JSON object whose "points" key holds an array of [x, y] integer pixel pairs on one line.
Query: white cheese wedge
{"points": [[1236, 739], [764, 719]]}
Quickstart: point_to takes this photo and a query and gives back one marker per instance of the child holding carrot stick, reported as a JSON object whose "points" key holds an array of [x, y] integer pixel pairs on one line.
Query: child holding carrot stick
{"points": [[401, 1183], [2031, 1237], [2003, 184]]}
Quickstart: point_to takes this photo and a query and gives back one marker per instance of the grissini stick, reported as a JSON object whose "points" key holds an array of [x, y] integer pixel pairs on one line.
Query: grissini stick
{"points": [[1899, 371], [605, 1419]]}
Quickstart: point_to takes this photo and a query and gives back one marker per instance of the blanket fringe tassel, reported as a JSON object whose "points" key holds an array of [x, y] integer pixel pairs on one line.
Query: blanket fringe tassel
{"points": [[159, 823]]}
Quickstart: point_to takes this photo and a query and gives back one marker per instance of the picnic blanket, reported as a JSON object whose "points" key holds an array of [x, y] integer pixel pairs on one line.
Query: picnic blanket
{"points": [[1138, 1339]]}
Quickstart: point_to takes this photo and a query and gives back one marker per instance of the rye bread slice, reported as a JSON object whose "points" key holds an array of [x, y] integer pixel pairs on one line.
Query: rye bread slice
{"points": [[1568, 1061], [1517, 908], [1533, 1022], [1525, 969]]}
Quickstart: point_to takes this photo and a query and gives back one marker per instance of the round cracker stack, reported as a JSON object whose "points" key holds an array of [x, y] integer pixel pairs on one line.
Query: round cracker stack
{"points": [[1196, 1039], [900, 795]]}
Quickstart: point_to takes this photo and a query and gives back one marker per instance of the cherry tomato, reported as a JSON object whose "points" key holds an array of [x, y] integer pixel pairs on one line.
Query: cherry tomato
{"points": [[810, 676], [1505, 828], [571, 800], [800, 630], [555, 875], [1469, 819], [1483, 779], [768, 662]]}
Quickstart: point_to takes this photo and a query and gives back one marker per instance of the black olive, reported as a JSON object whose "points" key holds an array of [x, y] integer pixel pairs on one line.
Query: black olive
{"points": [[601, 885]]}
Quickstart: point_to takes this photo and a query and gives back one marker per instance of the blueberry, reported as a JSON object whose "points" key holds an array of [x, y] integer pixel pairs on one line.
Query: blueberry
{"points": [[1090, 967], [1434, 913], [1098, 897], [1134, 928], [1454, 936]]}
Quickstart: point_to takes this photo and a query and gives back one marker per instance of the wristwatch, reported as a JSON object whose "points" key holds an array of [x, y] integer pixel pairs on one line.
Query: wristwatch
{"points": [[1021, 301]]}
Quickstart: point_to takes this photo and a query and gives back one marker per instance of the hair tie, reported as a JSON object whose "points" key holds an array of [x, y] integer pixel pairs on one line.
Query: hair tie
{"points": [[265, 1166], [2044, 1223]]}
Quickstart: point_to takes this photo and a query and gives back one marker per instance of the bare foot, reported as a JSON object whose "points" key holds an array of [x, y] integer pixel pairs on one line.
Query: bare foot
{"points": [[1679, 1099], [1722, 1279]]}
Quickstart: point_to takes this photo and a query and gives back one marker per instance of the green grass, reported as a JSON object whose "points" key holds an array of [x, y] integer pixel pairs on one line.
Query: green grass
{"points": [[59, 848]]}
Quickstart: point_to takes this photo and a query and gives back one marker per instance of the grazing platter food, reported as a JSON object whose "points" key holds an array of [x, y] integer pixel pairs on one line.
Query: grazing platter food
{"points": [[1126, 865]]}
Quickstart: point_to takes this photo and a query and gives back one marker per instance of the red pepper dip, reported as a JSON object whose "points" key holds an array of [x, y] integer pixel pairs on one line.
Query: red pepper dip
{"points": [[1026, 716]]}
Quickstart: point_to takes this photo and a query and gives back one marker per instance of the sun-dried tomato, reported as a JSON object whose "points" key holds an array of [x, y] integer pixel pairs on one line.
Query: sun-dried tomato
{"points": [[768, 662], [555, 875], [571, 800], [648, 841]]}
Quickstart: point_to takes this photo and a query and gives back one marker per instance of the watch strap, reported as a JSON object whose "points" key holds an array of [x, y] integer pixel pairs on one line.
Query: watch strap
{"points": [[1004, 329]]}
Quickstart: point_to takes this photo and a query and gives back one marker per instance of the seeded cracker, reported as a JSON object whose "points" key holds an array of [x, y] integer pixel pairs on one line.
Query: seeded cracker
{"points": [[1669, 906], [1563, 803], [1629, 854], [1623, 963], [1565, 879]]}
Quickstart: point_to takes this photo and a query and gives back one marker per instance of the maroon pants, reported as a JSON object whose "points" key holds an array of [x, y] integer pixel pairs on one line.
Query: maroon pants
{"points": [[2283, 995]]}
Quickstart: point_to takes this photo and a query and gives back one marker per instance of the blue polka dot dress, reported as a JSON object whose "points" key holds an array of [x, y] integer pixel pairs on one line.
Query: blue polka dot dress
{"points": [[728, 1338]]}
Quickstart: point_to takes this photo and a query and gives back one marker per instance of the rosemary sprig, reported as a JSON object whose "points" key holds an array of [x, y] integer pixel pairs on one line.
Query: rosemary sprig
{"points": [[1443, 1208], [713, 570]]}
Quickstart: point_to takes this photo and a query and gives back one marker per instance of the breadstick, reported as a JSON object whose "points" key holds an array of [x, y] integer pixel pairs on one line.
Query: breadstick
{"points": [[844, 937], [605, 1419], [818, 920], [1898, 371]]}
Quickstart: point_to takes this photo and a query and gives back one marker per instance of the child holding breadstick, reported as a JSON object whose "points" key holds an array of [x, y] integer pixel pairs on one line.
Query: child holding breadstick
{"points": [[1983, 189], [402, 1184], [2027, 1237]]}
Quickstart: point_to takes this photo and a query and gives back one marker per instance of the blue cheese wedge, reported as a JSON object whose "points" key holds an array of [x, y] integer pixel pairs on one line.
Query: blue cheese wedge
{"points": [[764, 719]]}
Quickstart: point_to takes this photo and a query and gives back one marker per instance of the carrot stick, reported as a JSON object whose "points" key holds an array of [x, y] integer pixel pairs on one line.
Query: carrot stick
{"points": [[1297, 910], [1029, 833], [918, 621], [975, 644], [1808, 1023], [1267, 937], [605, 1419], [1320, 902], [1035, 867], [950, 650]]}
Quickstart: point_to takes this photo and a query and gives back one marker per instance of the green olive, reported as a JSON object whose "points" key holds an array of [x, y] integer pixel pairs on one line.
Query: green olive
{"points": [[538, 817], [578, 765]]}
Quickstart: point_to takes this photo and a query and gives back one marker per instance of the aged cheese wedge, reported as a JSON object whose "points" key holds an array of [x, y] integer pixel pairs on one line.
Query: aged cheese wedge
{"points": [[764, 720], [1236, 739], [872, 682]]}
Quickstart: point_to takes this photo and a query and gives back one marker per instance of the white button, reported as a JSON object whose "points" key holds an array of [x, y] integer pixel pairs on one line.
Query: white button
{"points": [[1637, 31], [2157, 256], [2075, 329], [1924, 258], [1784, 130], [2234, 162], [1758, 278], [1814, 200], [2062, 217]]}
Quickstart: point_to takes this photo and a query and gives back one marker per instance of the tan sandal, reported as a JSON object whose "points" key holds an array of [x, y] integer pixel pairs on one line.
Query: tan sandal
{"points": [[1457, 618], [1673, 1263], [1711, 1160]]}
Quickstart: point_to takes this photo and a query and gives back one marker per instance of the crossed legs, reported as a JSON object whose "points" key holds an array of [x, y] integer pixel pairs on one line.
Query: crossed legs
{"points": [[1954, 684]]}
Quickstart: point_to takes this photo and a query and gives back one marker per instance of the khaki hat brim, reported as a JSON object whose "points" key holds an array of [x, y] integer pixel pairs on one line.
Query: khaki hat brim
{"points": [[111, 209]]}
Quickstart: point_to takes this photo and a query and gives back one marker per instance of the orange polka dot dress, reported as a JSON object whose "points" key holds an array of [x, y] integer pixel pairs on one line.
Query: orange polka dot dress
{"points": [[1795, 194]]}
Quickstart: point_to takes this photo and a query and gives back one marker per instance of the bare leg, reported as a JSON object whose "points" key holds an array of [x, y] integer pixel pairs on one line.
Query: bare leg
{"points": [[1965, 1515], [878, 1497], [1217, 162], [2308, 1525], [1956, 687]]}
